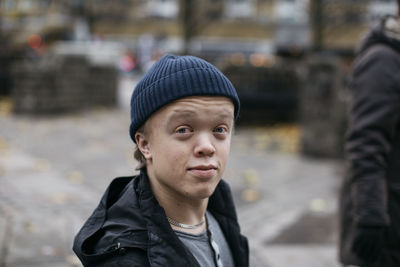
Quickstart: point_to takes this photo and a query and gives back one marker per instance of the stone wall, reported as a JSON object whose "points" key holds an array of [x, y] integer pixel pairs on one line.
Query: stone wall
{"points": [[323, 108], [60, 84]]}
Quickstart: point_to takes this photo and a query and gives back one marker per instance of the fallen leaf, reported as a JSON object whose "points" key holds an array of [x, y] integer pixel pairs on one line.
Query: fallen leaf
{"points": [[60, 198], [75, 177], [318, 205], [251, 195], [73, 260], [42, 165], [29, 227], [251, 177]]}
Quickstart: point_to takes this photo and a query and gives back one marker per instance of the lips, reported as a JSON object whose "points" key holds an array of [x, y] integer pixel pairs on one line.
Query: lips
{"points": [[203, 171]]}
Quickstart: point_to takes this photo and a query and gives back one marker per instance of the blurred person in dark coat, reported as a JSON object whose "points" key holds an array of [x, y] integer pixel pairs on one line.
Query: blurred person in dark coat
{"points": [[370, 196]]}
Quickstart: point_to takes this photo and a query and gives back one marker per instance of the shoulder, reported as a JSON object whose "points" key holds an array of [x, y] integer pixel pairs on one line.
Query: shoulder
{"points": [[378, 57], [377, 67], [115, 226], [123, 258]]}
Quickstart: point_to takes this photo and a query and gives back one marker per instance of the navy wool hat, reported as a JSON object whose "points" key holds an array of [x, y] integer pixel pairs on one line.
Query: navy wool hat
{"points": [[175, 77]]}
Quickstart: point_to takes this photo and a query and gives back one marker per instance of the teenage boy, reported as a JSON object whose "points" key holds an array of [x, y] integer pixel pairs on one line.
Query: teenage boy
{"points": [[177, 211]]}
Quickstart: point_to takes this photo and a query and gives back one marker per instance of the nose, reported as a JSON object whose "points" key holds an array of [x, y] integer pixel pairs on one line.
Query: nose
{"points": [[204, 146]]}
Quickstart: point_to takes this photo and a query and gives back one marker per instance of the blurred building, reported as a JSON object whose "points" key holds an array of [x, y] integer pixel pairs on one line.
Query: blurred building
{"points": [[243, 33], [293, 31], [378, 8], [286, 24]]}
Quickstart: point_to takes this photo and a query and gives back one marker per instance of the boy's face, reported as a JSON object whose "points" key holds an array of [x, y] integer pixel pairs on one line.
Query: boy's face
{"points": [[187, 146]]}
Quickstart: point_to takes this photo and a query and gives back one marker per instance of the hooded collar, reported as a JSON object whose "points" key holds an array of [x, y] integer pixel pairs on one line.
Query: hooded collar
{"points": [[386, 32], [220, 204]]}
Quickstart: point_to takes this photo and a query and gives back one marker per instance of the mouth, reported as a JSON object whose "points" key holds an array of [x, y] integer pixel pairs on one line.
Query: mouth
{"points": [[203, 171], [203, 167]]}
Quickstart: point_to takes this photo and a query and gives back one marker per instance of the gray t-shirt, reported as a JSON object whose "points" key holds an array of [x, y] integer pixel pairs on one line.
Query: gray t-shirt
{"points": [[210, 249]]}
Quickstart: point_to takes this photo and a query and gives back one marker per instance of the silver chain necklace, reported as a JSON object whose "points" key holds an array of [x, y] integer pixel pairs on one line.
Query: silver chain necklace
{"points": [[185, 226]]}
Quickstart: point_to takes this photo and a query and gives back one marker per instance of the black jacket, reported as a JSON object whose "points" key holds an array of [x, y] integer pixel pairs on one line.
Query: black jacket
{"points": [[370, 193], [129, 228]]}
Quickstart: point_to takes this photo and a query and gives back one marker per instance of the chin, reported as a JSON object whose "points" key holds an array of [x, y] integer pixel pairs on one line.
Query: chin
{"points": [[203, 193]]}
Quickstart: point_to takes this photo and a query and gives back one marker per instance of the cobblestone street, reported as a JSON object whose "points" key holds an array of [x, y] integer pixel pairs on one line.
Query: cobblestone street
{"points": [[53, 171]]}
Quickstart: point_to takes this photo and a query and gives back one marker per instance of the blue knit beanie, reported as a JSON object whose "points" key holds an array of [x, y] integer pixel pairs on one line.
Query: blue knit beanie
{"points": [[175, 77]]}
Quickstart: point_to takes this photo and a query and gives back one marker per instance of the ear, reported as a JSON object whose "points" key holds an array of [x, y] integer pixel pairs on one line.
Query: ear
{"points": [[143, 145]]}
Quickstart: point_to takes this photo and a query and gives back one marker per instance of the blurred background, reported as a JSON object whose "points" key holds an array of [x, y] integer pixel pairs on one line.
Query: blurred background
{"points": [[68, 68]]}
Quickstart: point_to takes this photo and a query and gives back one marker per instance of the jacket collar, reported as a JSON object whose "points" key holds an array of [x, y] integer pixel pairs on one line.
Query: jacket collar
{"points": [[130, 206], [220, 205], [386, 32], [90, 244]]}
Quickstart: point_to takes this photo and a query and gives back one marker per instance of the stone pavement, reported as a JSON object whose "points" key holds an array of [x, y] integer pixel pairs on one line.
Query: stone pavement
{"points": [[53, 171], [293, 223]]}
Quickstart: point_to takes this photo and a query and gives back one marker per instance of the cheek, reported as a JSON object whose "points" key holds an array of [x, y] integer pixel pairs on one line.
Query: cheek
{"points": [[172, 155], [224, 150], [177, 156]]}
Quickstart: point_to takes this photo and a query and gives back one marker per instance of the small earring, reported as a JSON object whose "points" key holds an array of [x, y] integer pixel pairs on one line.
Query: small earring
{"points": [[146, 155]]}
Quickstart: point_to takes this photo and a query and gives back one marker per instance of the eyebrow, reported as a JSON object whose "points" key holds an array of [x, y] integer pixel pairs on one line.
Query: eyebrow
{"points": [[178, 114]]}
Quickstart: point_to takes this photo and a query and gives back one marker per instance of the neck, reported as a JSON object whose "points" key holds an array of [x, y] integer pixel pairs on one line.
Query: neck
{"points": [[180, 208]]}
